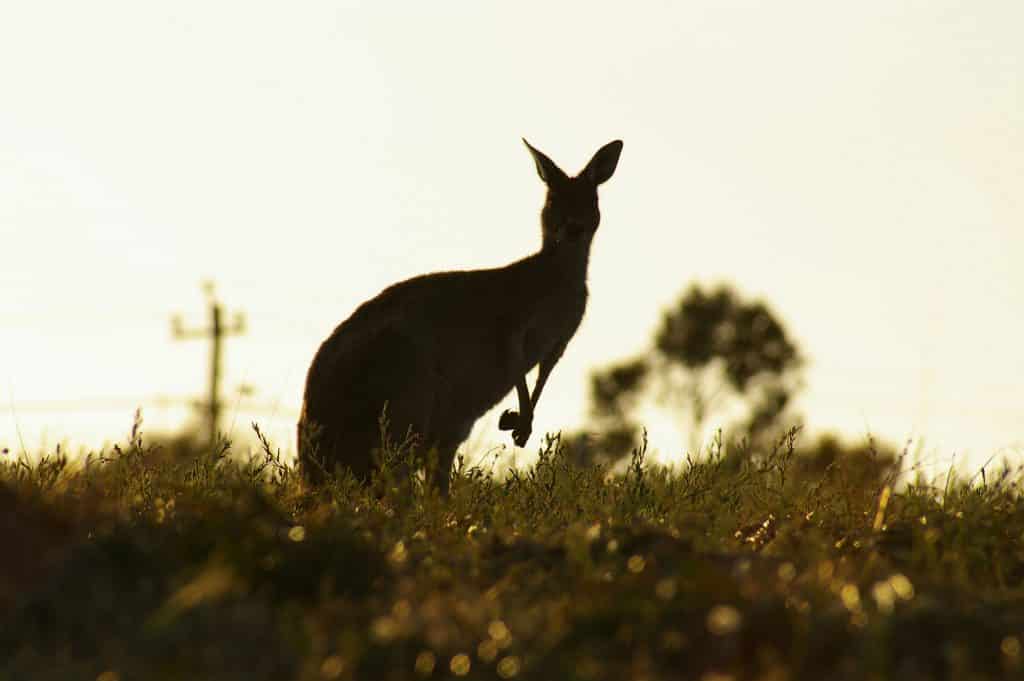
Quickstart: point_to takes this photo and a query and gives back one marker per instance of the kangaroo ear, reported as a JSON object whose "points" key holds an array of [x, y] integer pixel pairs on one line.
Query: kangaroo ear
{"points": [[546, 168], [603, 164]]}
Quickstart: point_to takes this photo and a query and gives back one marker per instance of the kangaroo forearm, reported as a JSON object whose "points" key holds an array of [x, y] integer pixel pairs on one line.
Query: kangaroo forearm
{"points": [[542, 378], [544, 370], [525, 403]]}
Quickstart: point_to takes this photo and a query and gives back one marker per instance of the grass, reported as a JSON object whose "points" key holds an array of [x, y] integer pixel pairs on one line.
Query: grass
{"points": [[749, 563]]}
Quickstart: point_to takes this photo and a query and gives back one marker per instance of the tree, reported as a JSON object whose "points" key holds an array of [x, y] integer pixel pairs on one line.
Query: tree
{"points": [[713, 353]]}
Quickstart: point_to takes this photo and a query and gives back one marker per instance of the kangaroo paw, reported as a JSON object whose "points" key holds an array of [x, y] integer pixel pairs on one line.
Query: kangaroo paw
{"points": [[509, 420]]}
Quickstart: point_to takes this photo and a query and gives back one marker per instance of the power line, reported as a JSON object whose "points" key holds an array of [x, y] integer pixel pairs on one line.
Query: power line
{"points": [[216, 332], [116, 403], [94, 404]]}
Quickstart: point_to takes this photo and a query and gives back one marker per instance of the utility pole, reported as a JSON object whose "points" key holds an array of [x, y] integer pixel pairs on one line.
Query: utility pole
{"points": [[215, 332]]}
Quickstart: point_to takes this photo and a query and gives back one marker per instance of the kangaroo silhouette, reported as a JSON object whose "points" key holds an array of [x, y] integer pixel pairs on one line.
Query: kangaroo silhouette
{"points": [[437, 351]]}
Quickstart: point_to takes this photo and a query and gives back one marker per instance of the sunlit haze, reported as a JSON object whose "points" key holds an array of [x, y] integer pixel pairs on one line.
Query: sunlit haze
{"points": [[858, 166]]}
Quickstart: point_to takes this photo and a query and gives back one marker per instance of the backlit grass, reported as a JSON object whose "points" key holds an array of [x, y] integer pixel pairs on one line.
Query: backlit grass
{"points": [[140, 563]]}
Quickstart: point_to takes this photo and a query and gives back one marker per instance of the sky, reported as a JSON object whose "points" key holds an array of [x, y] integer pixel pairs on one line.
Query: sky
{"points": [[858, 166]]}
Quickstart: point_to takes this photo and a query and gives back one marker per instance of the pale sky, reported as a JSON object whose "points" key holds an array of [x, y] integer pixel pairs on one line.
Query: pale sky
{"points": [[859, 166]]}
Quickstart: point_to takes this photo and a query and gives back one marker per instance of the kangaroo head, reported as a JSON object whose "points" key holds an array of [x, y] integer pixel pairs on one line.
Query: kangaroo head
{"points": [[570, 213]]}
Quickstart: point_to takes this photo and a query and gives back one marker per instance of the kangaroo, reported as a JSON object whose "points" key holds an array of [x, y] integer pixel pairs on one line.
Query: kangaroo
{"points": [[437, 351]]}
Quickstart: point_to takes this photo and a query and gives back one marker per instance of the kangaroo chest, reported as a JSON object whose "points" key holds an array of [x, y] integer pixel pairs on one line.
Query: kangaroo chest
{"points": [[553, 326]]}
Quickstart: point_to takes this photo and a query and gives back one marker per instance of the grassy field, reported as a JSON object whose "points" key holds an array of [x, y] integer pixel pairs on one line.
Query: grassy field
{"points": [[142, 563]]}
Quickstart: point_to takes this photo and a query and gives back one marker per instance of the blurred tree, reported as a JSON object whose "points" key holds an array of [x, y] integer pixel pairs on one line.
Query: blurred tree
{"points": [[713, 352]]}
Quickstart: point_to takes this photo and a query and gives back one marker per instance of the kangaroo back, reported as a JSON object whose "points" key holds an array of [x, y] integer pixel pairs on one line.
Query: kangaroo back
{"points": [[441, 349]]}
